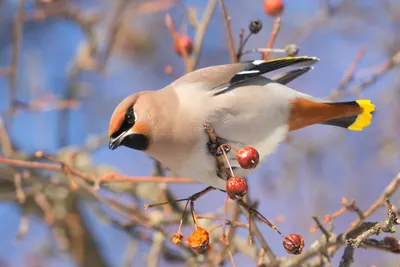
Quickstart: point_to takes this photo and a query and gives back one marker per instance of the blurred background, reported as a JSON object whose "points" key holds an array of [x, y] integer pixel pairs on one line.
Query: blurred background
{"points": [[66, 64]]}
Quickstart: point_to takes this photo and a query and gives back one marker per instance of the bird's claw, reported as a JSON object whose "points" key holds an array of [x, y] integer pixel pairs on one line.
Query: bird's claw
{"points": [[215, 142], [213, 147]]}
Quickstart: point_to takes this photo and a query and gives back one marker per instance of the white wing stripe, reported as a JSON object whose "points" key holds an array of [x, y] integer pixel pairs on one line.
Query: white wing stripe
{"points": [[247, 72]]}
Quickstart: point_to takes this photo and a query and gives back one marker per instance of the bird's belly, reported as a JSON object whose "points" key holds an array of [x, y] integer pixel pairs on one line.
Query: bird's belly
{"points": [[265, 144], [202, 167]]}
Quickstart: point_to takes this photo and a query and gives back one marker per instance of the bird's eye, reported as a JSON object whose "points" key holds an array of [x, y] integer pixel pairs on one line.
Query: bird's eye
{"points": [[130, 116]]}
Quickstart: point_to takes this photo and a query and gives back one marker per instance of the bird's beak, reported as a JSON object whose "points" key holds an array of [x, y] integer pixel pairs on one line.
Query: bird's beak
{"points": [[116, 142]]}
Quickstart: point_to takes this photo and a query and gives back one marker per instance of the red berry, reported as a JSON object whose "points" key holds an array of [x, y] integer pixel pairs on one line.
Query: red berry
{"points": [[248, 157], [273, 7], [236, 187], [186, 43], [293, 243]]}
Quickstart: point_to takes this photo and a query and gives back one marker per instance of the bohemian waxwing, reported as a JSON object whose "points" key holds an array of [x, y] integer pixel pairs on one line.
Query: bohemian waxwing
{"points": [[243, 107]]}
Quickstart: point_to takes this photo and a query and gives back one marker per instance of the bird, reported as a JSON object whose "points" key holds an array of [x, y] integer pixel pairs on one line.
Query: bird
{"points": [[243, 103]]}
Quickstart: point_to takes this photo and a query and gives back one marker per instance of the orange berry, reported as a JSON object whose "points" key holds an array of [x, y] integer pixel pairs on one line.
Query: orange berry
{"points": [[199, 240], [168, 69], [177, 238], [273, 8]]}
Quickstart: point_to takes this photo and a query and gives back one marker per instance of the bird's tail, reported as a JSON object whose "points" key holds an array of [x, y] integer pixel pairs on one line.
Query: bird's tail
{"points": [[355, 122]]}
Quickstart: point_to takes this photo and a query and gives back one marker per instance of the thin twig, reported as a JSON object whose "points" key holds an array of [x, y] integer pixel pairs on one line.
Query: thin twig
{"points": [[175, 35], [155, 250], [227, 21], [322, 228], [387, 66], [387, 193], [231, 257], [17, 37], [129, 253], [230, 234], [5, 142], [42, 201], [89, 177], [113, 31], [270, 256], [23, 227], [274, 34], [349, 74], [19, 192], [201, 31]]}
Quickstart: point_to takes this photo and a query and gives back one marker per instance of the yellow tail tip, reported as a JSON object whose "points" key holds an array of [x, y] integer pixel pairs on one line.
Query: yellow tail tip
{"points": [[364, 119]]}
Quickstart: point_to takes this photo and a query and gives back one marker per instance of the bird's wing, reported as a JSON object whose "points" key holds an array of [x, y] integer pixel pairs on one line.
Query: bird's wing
{"points": [[220, 79], [257, 68], [287, 77]]}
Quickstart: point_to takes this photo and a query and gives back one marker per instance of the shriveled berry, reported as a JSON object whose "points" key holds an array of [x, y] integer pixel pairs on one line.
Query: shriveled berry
{"points": [[248, 157], [203, 249], [293, 243], [186, 43], [273, 7], [177, 238], [393, 243], [236, 187], [291, 50], [396, 248], [199, 240], [255, 26]]}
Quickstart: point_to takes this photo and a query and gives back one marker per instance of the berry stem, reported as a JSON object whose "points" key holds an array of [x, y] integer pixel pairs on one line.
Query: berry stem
{"points": [[193, 213], [250, 222], [225, 215], [259, 216], [183, 217], [230, 147], [193, 198], [149, 206], [243, 42], [221, 148], [188, 200]]}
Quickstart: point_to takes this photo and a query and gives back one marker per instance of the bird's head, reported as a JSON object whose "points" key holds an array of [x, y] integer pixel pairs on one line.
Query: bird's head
{"points": [[130, 123]]}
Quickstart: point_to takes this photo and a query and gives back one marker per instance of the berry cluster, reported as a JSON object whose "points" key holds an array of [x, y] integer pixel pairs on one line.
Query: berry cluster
{"points": [[236, 188], [274, 8], [248, 158]]}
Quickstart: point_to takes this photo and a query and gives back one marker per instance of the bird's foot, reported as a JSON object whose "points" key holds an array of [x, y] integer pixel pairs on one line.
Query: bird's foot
{"points": [[213, 148], [215, 142]]}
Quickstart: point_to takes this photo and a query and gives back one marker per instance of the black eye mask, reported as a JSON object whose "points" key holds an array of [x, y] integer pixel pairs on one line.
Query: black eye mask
{"points": [[128, 122]]}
